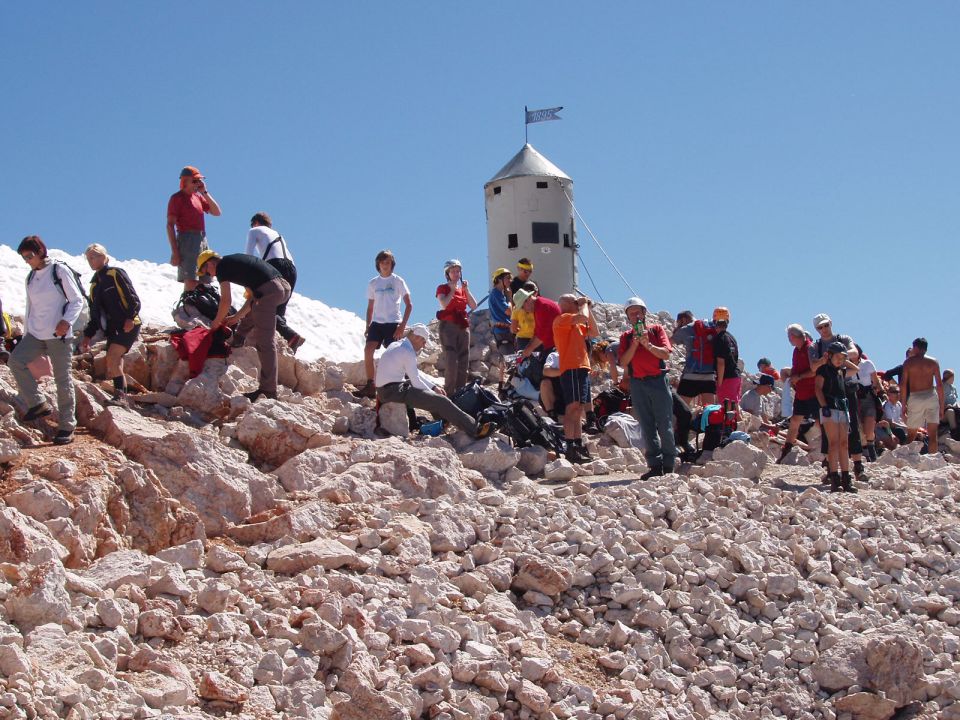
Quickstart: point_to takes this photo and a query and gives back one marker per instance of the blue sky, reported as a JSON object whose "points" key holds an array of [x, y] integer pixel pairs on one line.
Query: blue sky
{"points": [[782, 159]]}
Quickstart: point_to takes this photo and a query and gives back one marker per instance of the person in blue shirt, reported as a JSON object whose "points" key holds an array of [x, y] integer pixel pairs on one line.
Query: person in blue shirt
{"points": [[500, 300]]}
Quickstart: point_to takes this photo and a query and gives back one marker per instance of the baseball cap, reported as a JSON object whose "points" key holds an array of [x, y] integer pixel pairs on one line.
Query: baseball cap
{"points": [[190, 171], [821, 319], [765, 379], [420, 330]]}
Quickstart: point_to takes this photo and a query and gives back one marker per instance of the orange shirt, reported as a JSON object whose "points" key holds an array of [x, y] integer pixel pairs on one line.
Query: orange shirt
{"points": [[570, 338]]}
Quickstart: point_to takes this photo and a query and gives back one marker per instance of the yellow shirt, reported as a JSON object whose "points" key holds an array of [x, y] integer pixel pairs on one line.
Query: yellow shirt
{"points": [[525, 322]]}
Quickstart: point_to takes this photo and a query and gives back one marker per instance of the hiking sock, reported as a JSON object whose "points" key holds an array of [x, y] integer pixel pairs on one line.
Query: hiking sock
{"points": [[119, 384]]}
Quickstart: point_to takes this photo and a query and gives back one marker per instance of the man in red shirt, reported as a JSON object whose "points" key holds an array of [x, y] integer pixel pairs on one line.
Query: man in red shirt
{"points": [[186, 230], [803, 381], [644, 350], [570, 331]]}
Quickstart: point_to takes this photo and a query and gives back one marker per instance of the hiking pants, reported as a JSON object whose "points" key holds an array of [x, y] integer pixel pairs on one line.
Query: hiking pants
{"points": [[289, 271], [60, 352], [455, 341], [435, 404], [653, 408], [263, 314]]}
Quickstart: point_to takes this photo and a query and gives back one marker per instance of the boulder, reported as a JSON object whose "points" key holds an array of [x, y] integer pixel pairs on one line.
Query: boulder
{"points": [[327, 553], [40, 598], [752, 459], [23, 539], [274, 431], [549, 578]]}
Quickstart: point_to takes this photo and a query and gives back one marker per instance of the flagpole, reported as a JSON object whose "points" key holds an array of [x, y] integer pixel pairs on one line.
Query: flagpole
{"points": [[525, 126]]}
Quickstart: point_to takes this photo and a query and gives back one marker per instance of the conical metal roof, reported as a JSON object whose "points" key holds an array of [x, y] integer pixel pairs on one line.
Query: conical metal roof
{"points": [[528, 162]]}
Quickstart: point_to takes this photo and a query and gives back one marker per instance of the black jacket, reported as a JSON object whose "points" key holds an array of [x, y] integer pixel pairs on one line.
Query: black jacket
{"points": [[113, 301]]}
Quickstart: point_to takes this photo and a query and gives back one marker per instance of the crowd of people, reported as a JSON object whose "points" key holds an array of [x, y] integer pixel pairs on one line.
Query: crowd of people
{"points": [[830, 384]]}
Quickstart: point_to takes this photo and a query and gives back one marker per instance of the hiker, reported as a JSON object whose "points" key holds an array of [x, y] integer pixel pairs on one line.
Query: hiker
{"points": [[54, 302], [726, 354], [551, 391], [455, 297], [499, 302], [698, 378], [522, 324], [268, 290], [891, 430], [766, 367], [186, 229], [385, 325], [644, 350], [544, 312], [824, 326], [399, 380], [835, 415], [950, 408], [267, 244], [869, 392], [802, 380], [752, 400], [114, 310], [922, 390], [523, 276], [571, 329]]}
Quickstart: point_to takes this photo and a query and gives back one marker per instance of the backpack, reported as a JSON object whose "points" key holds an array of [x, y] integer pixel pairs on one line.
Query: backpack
{"points": [[523, 425], [473, 398], [6, 326], [58, 281], [203, 301], [531, 368], [701, 357], [609, 402], [716, 424]]}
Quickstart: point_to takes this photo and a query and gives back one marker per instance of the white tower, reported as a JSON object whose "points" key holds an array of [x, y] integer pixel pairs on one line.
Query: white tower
{"points": [[529, 215]]}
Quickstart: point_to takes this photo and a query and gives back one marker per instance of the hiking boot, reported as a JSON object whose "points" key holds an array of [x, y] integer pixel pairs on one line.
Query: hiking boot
{"points": [[859, 471], [257, 394], [577, 455], [668, 469], [295, 342], [787, 447], [37, 411], [834, 479], [846, 483], [484, 430], [367, 391], [64, 437], [655, 471]]}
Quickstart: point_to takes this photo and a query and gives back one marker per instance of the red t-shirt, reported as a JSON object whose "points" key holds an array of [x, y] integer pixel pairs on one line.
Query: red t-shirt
{"points": [[806, 388], [545, 311], [644, 363], [187, 210], [456, 309]]}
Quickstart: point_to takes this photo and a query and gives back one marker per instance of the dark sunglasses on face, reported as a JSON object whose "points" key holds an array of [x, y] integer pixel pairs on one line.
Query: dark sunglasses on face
{"points": [[27, 257]]}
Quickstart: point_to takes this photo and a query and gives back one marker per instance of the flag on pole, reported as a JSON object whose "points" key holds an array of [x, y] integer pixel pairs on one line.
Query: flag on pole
{"points": [[535, 116]]}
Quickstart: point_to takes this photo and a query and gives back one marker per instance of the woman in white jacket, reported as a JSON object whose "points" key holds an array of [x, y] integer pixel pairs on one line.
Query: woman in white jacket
{"points": [[54, 302]]}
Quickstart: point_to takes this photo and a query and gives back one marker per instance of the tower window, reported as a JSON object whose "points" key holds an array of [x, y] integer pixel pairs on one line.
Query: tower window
{"points": [[546, 233], [541, 185], [496, 189], [566, 240], [512, 240]]}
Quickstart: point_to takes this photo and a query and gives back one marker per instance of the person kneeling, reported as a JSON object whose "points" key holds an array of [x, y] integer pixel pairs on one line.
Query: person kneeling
{"points": [[399, 380]]}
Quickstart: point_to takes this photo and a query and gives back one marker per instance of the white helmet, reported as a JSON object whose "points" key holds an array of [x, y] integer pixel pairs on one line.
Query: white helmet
{"points": [[634, 302], [452, 262]]}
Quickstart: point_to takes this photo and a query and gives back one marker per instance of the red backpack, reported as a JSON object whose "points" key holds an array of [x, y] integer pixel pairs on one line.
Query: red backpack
{"points": [[701, 358]]}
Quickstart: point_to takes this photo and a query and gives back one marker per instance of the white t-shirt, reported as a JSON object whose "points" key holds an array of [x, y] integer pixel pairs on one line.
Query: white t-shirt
{"points": [[893, 413], [864, 371], [387, 294], [259, 239]]}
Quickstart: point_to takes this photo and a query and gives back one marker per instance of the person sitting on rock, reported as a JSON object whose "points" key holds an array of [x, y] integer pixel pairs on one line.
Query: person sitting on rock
{"points": [[950, 402], [399, 380], [752, 400], [522, 324], [891, 430], [551, 391]]}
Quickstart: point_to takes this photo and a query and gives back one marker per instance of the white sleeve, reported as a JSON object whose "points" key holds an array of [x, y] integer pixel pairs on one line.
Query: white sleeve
{"points": [[403, 287], [74, 294], [251, 242], [417, 379]]}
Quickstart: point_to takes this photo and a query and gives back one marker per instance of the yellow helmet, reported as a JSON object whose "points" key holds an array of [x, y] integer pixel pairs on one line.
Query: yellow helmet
{"points": [[204, 256], [498, 273]]}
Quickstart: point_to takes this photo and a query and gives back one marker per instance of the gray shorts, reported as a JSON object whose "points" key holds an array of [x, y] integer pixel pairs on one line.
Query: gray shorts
{"points": [[190, 243], [867, 407]]}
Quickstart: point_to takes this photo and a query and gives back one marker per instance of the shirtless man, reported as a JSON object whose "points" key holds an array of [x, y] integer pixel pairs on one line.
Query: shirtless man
{"points": [[923, 405]]}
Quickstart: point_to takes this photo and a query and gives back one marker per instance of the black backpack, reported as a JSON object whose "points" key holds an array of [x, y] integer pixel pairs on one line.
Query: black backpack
{"points": [[609, 402], [523, 425], [204, 298], [473, 398]]}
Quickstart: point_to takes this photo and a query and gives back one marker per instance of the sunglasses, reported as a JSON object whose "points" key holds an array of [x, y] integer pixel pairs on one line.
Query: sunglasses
{"points": [[27, 257]]}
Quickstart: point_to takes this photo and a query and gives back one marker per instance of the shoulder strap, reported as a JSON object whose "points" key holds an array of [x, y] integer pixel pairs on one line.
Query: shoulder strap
{"points": [[283, 247]]}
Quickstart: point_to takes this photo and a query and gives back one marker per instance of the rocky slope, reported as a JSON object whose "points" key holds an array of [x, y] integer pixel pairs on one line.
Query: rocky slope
{"points": [[201, 557]]}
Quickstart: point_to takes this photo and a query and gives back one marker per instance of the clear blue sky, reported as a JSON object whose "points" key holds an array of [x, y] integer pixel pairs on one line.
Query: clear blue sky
{"points": [[780, 158]]}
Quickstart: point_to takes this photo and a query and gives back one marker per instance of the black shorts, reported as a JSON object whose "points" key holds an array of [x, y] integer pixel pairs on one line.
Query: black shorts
{"points": [[127, 339], [693, 388], [381, 333], [576, 386], [808, 408], [523, 342]]}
